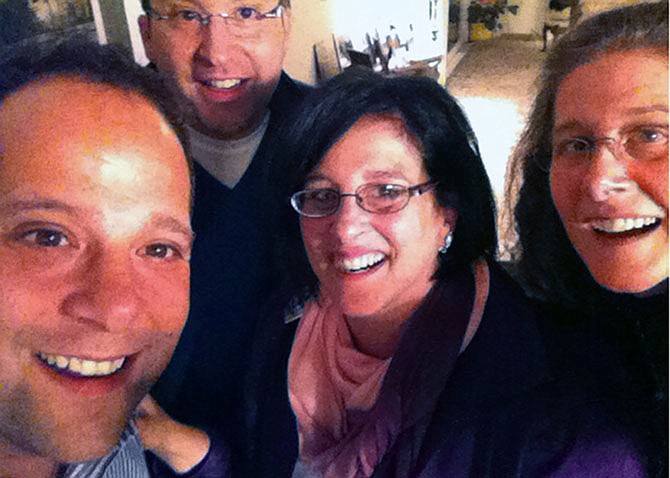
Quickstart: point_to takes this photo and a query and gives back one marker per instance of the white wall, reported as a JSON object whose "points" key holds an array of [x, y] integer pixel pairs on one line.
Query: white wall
{"points": [[133, 10]]}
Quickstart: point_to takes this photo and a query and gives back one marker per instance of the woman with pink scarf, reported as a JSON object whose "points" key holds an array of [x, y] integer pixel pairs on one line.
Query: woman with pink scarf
{"points": [[405, 350]]}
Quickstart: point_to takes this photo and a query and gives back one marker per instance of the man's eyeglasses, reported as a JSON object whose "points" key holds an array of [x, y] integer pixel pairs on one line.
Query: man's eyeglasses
{"points": [[377, 198], [643, 144], [242, 21]]}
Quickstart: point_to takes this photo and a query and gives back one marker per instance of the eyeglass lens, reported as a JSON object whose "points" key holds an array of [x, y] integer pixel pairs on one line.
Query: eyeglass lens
{"points": [[642, 144], [244, 20], [646, 145], [375, 198]]}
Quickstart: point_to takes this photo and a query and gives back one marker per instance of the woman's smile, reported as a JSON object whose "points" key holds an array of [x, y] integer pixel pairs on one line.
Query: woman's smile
{"points": [[374, 263]]}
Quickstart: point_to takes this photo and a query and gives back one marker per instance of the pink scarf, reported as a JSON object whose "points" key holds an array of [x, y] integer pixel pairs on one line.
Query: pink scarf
{"points": [[333, 386]]}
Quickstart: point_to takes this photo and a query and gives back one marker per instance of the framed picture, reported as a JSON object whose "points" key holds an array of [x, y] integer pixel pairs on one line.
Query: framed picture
{"points": [[41, 24]]}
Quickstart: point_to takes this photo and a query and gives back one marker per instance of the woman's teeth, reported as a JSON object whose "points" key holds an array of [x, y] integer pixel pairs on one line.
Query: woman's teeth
{"points": [[362, 263], [623, 224], [87, 368]]}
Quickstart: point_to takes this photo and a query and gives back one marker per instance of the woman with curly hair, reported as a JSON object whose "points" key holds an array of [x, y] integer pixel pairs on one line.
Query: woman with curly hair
{"points": [[592, 215]]}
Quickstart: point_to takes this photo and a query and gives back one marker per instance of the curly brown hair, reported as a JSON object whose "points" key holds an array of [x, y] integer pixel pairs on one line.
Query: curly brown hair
{"points": [[547, 264]]}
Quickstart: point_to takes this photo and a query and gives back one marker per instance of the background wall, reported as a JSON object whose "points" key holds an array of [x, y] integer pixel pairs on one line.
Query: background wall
{"points": [[311, 22], [528, 20], [132, 10]]}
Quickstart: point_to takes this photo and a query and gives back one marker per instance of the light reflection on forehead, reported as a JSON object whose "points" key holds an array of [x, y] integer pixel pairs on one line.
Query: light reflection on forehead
{"points": [[119, 174], [118, 169]]}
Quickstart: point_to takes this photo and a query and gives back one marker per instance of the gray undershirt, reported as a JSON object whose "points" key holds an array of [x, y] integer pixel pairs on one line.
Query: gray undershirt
{"points": [[226, 160]]}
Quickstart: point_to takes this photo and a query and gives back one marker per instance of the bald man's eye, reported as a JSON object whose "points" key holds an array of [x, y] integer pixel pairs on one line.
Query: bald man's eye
{"points": [[162, 251], [44, 238]]}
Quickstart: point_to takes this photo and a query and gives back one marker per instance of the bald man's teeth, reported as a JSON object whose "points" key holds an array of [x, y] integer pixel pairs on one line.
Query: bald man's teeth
{"points": [[623, 224], [225, 84], [362, 263], [86, 368]]}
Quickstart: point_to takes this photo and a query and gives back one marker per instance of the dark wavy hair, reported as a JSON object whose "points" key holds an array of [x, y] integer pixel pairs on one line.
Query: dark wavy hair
{"points": [[101, 64], [548, 266], [438, 125]]}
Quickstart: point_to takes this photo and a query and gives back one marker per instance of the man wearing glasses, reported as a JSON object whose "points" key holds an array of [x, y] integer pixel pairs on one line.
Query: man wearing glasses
{"points": [[223, 60]]}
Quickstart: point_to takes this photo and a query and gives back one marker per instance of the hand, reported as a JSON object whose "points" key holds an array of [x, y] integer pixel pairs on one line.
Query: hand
{"points": [[180, 446]]}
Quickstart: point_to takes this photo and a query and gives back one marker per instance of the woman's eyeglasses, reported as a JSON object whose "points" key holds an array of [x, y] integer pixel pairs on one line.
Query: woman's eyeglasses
{"points": [[376, 198]]}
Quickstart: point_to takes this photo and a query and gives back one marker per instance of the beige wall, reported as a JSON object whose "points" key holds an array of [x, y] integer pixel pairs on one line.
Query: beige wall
{"points": [[528, 20], [591, 7], [311, 22]]}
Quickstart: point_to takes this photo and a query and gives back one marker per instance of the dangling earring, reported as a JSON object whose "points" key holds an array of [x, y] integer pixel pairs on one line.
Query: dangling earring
{"points": [[447, 242]]}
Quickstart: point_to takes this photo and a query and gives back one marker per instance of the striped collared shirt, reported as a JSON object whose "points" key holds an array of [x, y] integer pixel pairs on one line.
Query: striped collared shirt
{"points": [[126, 460]]}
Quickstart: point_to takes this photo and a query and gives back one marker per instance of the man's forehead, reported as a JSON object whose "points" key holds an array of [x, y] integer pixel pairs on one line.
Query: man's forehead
{"points": [[84, 101], [119, 162], [219, 5], [71, 115]]}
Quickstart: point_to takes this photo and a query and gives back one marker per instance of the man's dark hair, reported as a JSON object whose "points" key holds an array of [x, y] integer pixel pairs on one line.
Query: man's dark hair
{"points": [[94, 63], [549, 267], [438, 125]]}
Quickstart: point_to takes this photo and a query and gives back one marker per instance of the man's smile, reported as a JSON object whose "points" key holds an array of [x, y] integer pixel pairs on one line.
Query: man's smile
{"points": [[82, 367]]}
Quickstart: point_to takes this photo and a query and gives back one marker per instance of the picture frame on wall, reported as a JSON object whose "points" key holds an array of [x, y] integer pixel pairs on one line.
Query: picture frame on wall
{"points": [[41, 24]]}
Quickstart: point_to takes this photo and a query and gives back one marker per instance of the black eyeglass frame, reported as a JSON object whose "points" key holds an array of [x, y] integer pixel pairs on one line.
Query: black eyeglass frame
{"points": [[412, 191]]}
